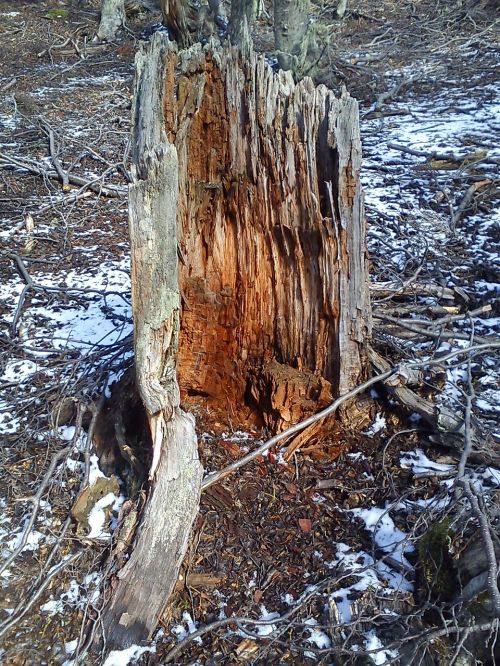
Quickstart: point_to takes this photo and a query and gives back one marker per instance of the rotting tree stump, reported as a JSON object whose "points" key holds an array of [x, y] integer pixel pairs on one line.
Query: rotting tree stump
{"points": [[252, 182], [271, 235]]}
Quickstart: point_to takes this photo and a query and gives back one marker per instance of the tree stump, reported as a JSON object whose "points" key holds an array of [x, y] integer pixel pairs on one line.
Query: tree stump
{"points": [[271, 234], [252, 181]]}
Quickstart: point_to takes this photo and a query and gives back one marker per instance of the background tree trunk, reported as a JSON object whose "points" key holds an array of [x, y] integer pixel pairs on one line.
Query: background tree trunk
{"points": [[175, 17], [341, 8], [243, 14], [291, 27], [112, 19]]}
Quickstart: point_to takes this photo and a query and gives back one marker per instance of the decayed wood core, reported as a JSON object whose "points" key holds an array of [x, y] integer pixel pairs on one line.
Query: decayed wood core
{"points": [[271, 234]]}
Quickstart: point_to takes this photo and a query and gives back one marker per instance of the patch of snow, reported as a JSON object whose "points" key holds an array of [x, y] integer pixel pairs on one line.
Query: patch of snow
{"points": [[76, 596], [386, 535], [378, 655], [18, 370], [95, 471], [71, 646], [97, 517], [369, 574], [32, 543], [378, 424], [357, 456], [66, 433], [71, 598], [182, 632], [319, 638], [419, 463], [266, 616], [125, 657]]}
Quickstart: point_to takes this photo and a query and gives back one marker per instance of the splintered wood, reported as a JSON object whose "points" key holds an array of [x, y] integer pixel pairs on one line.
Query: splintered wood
{"points": [[253, 182], [140, 590], [271, 237]]}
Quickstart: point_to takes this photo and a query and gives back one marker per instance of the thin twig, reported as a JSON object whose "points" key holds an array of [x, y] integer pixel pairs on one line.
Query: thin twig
{"points": [[14, 619], [63, 175]]}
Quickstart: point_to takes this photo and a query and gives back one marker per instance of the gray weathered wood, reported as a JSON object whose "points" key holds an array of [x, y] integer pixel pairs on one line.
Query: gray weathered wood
{"points": [[112, 20], [254, 181], [143, 586], [447, 426], [291, 33]]}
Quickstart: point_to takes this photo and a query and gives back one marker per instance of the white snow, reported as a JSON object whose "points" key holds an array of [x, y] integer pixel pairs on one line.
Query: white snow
{"points": [[76, 596], [71, 646], [97, 517], [419, 463], [124, 657], [67, 433], [18, 371], [369, 574], [182, 632], [316, 636], [386, 535], [378, 424], [266, 616], [32, 543], [378, 655]]}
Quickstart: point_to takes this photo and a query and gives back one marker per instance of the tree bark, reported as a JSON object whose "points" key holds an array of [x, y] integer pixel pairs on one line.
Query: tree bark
{"points": [[291, 27], [144, 584], [254, 182], [112, 20], [271, 229]]}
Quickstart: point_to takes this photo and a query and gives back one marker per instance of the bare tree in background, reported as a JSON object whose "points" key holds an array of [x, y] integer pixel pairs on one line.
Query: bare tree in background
{"points": [[291, 33], [341, 8], [112, 19]]}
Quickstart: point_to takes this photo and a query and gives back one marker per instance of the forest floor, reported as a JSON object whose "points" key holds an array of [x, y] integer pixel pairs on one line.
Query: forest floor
{"points": [[320, 548]]}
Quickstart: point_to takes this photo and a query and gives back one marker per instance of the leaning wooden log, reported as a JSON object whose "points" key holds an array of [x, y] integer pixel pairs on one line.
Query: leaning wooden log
{"points": [[253, 182]]}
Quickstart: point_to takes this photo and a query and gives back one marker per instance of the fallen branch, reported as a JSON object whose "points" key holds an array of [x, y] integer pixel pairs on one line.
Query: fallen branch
{"points": [[418, 329], [390, 94], [447, 157], [466, 200], [63, 175], [215, 477], [485, 532], [447, 424], [12, 162], [390, 289]]}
